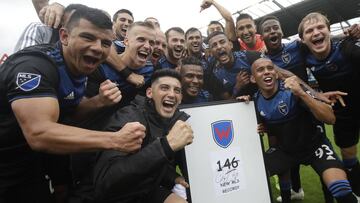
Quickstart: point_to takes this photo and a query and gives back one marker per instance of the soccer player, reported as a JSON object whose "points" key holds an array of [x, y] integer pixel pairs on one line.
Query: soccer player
{"points": [[290, 114], [41, 86], [228, 72], [192, 81], [335, 66], [194, 42], [147, 175], [175, 38]]}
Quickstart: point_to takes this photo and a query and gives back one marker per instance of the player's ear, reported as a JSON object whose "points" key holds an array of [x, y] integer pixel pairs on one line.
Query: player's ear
{"points": [[252, 79], [64, 36], [126, 41], [149, 93]]}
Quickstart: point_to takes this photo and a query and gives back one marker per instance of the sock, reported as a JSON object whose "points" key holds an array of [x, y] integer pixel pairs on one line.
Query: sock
{"points": [[295, 178], [285, 191], [353, 174], [342, 192], [327, 194]]}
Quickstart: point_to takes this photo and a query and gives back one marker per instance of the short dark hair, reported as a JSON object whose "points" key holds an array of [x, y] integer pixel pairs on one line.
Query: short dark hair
{"points": [[166, 72], [192, 29], [176, 29], [264, 19], [72, 7], [115, 16], [216, 23], [191, 60], [215, 34], [95, 16], [244, 16]]}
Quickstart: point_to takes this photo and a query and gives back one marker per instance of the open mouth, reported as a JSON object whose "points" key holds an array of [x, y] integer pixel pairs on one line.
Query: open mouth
{"points": [[168, 105], [90, 60], [123, 30], [222, 55], [143, 55], [274, 39], [156, 54], [193, 90], [268, 80], [178, 51], [318, 41]]}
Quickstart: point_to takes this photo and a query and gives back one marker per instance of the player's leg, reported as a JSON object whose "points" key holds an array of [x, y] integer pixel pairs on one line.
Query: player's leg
{"points": [[279, 163], [346, 133], [327, 165]]}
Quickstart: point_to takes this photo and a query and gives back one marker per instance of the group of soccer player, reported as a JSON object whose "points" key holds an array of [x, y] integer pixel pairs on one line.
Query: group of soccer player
{"points": [[90, 104]]}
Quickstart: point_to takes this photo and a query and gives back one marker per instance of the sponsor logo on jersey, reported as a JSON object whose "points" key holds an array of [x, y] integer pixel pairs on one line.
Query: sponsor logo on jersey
{"points": [[357, 43], [262, 114], [225, 81], [283, 108], [223, 132], [286, 57], [70, 96], [27, 81]]}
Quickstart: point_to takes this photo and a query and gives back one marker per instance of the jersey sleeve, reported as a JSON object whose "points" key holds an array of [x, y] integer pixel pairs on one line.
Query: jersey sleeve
{"points": [[31, 76], [351, 49]]}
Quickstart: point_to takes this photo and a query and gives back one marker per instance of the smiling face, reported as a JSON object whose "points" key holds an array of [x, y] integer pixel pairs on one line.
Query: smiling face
{"points": [[139, 45], [316, 36], [246, 30], [221, 48], [166, 95], [160, 45], [192, 80], [121, 25], [85, 46], [272, 35], [194, 43], [265, 76], [176, 45]]}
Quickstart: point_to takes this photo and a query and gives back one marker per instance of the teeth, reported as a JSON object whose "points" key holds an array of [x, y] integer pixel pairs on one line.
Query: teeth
{"points": [[267, 79], [169, 102], [143, 53]]}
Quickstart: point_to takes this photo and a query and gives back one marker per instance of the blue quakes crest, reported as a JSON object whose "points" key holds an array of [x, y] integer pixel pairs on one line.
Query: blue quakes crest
{"points": [[283, 108], [286, 57], [223, 132], [27, 81]]}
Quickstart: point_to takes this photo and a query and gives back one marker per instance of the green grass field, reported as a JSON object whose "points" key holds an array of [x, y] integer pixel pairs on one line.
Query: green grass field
{"points": [[309, 179]]}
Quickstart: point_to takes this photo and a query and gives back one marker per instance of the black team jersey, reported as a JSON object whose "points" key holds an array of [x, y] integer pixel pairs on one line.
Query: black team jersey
{"points": [[34, 72]]}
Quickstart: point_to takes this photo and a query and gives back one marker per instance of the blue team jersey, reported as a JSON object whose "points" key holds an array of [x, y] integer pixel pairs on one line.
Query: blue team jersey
{"points": [[119, 45], [203, 96], [71, 88], [291, 59], [113, 75], [279, 108], [228, 76], [335, 72], [287, 118], [164, 63]]}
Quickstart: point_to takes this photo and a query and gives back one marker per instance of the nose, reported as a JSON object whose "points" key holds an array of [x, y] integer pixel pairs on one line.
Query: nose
{"points": [[316, 31], [96, 46], [195, 80]]}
